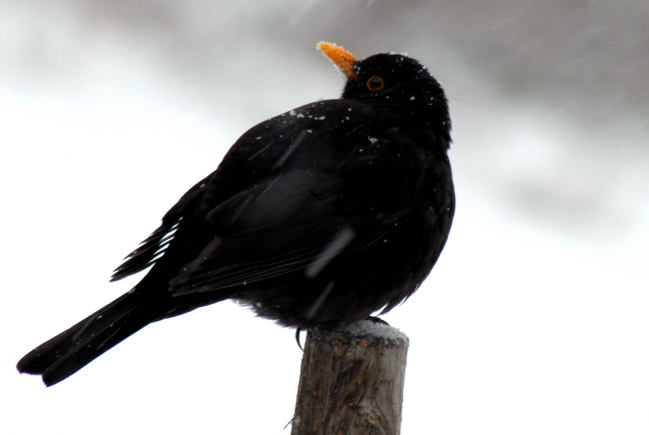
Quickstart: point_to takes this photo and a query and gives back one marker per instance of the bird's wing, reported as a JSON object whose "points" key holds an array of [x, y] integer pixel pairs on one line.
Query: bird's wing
{"points": [[291, 221], [253, 157], [154, 246]]}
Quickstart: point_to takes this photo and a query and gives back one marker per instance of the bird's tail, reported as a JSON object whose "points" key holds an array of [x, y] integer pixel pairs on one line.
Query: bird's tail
{"points": [[71, 350]]}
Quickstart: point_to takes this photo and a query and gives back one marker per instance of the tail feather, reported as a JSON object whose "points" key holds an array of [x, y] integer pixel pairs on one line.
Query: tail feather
{"points": [[68, 352]]}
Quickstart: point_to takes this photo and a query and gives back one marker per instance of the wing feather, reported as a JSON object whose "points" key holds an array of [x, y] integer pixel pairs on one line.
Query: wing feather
{"points": [[286, 227]]}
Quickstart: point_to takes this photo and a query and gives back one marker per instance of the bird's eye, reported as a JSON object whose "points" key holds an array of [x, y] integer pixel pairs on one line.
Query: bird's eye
{"points": [[375, 83]]}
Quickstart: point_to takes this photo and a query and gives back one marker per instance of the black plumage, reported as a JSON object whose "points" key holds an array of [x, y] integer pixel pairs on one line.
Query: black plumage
{"points": [[320, 216]]}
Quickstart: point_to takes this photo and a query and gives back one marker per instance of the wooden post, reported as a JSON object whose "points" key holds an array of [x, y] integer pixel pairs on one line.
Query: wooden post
{"points": [[351, 381]]}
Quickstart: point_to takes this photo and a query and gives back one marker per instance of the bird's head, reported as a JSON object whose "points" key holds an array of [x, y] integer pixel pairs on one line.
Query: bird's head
{"points": [[395, 80]]}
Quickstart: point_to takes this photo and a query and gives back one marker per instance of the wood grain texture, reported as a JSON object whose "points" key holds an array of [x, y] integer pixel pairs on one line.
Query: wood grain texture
{"points": [[351, 381]]}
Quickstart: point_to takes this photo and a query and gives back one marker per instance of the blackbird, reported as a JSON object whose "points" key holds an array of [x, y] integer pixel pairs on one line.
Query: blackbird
{"points": [[322, 215]]}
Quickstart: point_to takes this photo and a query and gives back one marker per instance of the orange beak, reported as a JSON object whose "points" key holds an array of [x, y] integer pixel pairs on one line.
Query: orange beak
{"points": [[341, 58]]}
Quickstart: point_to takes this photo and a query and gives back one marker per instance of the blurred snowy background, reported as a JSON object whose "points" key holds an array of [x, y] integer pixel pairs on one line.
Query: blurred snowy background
{"points": [[535, 319]]}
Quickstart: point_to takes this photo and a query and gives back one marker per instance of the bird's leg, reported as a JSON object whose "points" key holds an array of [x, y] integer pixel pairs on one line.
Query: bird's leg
{"points": [[297, 338]]}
